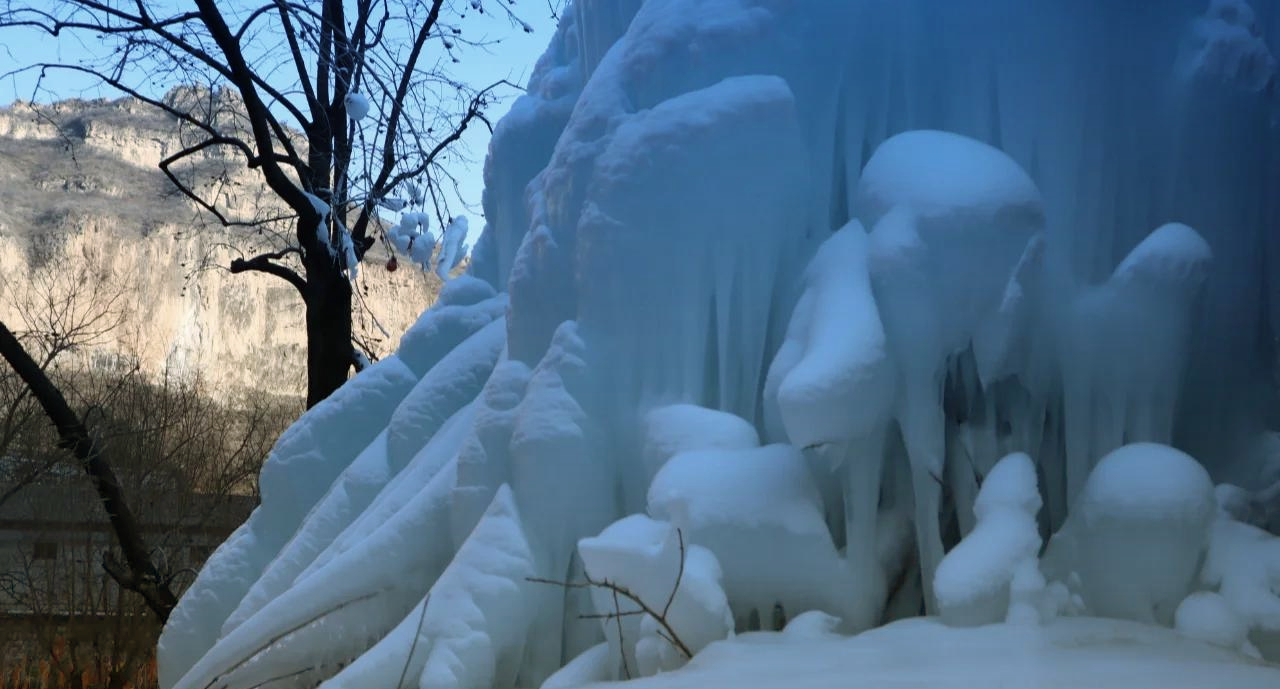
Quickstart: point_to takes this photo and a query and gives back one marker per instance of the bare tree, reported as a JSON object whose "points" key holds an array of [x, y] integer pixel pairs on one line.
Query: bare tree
{"points": [[139, 574], [166, 437], [186, 463], [340, 108], [65, 312]]}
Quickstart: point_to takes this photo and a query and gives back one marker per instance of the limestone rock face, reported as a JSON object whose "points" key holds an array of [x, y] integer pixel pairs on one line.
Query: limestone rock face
{"points": [[85, 210]]}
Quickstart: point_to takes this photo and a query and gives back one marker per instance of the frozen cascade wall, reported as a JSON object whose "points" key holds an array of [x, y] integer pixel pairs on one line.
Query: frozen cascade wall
{"points": [[691, 204]]}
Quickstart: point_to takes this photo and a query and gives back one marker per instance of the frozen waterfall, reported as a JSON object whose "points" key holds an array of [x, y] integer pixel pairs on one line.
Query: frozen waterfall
{"points": [[791, 281]]}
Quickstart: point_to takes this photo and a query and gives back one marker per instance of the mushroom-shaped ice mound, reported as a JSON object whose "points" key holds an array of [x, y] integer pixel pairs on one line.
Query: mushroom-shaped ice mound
{"points": [[760, 513], [951, 221], [969, 209], [950, 181], [1137, 533], [975, 579], [1126, 348]]}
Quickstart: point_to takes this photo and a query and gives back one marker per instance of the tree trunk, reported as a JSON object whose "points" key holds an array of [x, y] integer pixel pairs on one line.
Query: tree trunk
{"points": [[139, 573], [329, 349]]}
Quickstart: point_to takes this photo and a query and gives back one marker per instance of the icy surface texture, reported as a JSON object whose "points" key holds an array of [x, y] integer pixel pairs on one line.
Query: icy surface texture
{"points": [[792, 278]]}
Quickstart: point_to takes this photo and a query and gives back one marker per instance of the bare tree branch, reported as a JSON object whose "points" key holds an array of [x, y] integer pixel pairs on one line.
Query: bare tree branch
{"points": [[290, 124], [263, 264], [667, 632], [140, 575]]}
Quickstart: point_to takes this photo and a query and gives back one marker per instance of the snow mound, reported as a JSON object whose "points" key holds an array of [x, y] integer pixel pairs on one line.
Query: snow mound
{"points": [[1149, 482], [678, 428], [775, 556], [1243, 563], [812, 625], [959, 214], [449, 385], [1208, 617], [1136, 535], [458, 315], [975, 580]]}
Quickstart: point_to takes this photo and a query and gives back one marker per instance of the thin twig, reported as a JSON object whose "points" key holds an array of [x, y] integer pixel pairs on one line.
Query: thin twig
{"points": [[414, 646], [670, 635], [626, 671], [610, 615], [679, 575], [271, 642]]}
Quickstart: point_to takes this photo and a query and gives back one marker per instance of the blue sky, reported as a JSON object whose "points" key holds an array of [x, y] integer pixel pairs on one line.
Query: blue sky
{"points": [[511, 58]]}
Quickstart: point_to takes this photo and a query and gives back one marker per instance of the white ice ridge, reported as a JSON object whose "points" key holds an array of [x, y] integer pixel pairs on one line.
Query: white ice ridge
{"points": [[842, 294]]}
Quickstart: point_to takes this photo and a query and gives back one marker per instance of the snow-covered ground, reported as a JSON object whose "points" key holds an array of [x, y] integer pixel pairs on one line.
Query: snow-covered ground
{"points": [[1078, 653]]}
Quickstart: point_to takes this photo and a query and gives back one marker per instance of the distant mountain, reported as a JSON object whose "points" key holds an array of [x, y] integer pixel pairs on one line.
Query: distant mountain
{"points": [[83, 206]]}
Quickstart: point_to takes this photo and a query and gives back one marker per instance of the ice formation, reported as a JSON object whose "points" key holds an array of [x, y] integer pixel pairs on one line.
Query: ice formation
{"points": [[1137, 533], [788, 280], [760, 512], [993, 573], [453, 247], [357, 106], [1208, 617]]}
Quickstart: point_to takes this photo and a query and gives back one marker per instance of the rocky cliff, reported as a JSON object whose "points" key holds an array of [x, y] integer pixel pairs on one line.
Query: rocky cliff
{"points": [[86, 213]]}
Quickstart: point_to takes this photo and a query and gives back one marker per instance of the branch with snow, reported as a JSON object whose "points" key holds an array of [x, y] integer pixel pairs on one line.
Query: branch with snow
{"points": [[667, 633]]}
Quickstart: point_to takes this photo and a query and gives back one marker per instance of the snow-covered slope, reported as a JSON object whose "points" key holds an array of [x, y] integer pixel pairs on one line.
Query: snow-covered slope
{"points": [[842, 295]]}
